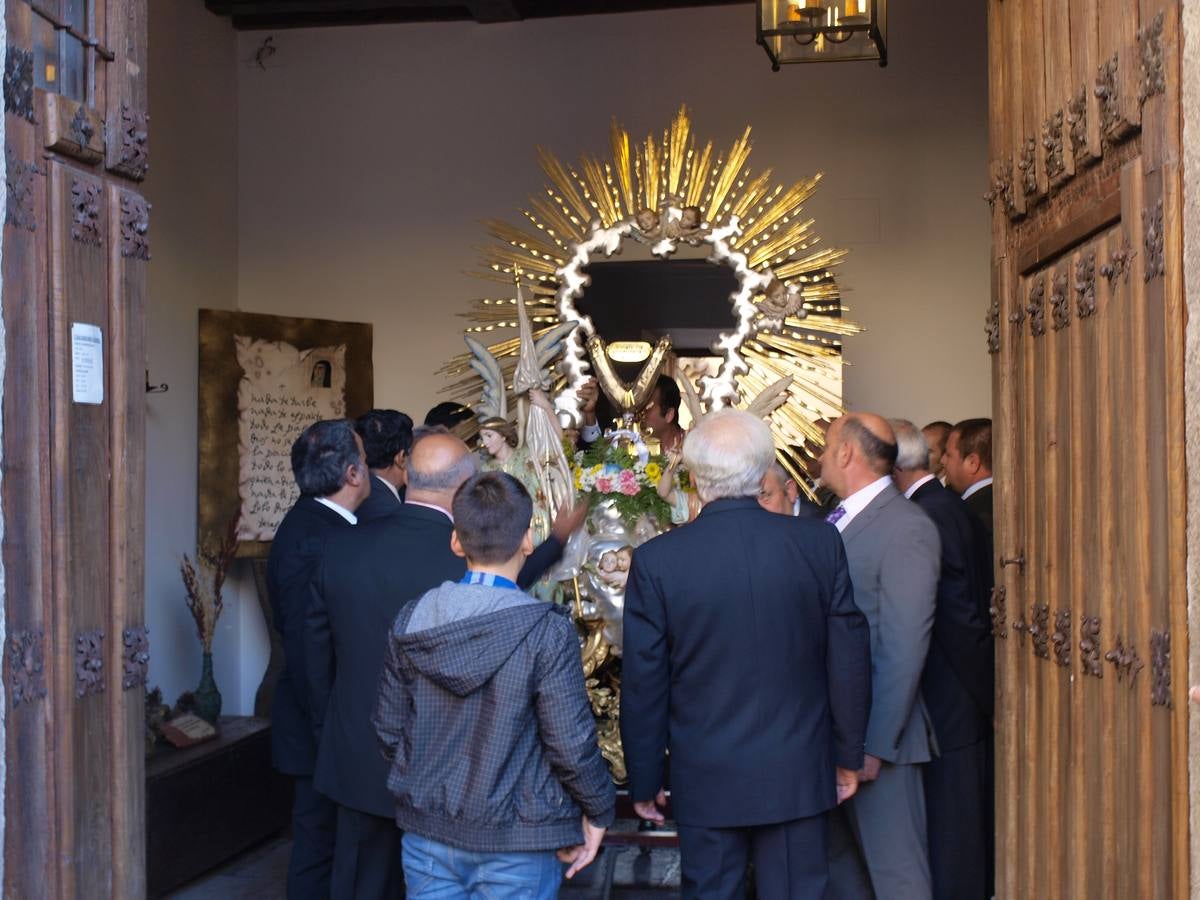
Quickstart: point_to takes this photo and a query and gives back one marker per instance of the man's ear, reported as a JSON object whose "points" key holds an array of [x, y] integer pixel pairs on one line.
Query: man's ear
{"points": [[672, 415], [456, 545], [526, 542], [400, 460], [792, 491], [356, 474], [972, 464]]}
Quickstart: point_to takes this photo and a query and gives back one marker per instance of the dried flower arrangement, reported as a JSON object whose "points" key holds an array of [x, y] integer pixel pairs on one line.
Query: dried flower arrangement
{"points": [[203, 580]]}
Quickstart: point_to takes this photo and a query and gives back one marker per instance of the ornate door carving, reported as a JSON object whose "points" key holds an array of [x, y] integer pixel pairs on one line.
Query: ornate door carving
{"points": [[76, 241], [1086, 332]]}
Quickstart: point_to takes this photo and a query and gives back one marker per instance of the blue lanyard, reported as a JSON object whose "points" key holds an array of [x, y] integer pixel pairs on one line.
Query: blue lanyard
{"points": [[489, 579]]}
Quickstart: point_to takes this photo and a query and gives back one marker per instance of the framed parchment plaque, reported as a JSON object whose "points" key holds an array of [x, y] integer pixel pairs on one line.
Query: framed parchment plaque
{"points": [[263, 380]]}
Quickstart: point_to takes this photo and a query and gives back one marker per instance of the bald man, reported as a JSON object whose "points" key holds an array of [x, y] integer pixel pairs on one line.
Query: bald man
{"points": [[359, 589], [780, 494], [878, 844]]}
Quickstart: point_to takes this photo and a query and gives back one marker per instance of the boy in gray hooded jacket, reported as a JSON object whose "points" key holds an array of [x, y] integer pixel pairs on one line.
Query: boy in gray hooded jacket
{"points": [[483, 715]]}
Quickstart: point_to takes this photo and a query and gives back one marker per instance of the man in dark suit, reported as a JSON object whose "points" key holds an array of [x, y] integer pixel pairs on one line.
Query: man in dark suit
{"points": [[957, 684], [880, 842], [363, 581], [387, 437], [968, 462], [328, 464], [780, 494], [745, 656]]}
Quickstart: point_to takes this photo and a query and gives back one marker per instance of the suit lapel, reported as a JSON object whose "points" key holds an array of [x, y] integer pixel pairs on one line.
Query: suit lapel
{"points": [[864, 518]]}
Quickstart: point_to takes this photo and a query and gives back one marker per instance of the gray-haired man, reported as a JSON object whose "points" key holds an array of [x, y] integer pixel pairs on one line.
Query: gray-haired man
{"points": [[746, 656]]}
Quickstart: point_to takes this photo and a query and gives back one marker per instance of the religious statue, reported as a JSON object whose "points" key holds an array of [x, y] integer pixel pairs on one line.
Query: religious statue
{"points": [[530, 447]]}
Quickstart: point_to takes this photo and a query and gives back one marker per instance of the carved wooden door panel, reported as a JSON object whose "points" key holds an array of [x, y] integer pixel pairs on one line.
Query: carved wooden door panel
{"points": [[75, 251], [1086, 332]]}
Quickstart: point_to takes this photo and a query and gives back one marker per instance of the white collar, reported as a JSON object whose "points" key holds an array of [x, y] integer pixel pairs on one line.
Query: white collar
{"points": [[916, 485], [340, 510], [861, 499], [977, 486], [391, 487], [445, 512]]}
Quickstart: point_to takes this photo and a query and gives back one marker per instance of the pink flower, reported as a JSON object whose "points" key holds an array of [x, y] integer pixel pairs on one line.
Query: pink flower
{"points": [[629, 488], [627, 477], [604, 484]]}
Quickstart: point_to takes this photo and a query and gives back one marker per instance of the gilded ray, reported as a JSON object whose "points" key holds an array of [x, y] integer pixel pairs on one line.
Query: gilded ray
{"points": [[698, 179], [728, 176], [623, 165]]}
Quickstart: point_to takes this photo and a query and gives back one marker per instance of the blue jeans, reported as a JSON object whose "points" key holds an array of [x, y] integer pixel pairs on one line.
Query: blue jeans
{"points": [[439, 872]]}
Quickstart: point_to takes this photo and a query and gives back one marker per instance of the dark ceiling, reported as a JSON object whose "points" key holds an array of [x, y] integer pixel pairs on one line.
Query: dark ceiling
{"points": [[249, 14]]}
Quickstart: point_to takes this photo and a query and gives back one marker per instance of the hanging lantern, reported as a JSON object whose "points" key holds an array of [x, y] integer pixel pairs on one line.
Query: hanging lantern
{"points": [[797, 31]]}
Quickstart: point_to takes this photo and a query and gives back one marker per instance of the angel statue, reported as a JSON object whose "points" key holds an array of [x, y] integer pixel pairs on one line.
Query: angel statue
{"points": [[528, 447]]}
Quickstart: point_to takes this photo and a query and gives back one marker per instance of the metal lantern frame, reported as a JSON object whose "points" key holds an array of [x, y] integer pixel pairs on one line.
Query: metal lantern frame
{"points": [[807, 34]]}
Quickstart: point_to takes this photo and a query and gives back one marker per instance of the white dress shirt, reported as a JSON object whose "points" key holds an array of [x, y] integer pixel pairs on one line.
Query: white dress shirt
{"points": [[916, 486], [860, 500], [977, 486], [340, 510]]}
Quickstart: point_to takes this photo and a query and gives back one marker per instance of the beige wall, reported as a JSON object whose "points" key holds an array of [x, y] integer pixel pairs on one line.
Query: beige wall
{"points": [[366, 158], [192, 185], [369, 156]]}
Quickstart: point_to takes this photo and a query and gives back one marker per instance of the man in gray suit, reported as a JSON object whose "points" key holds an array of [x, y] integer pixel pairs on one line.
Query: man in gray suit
{"points": [[878, 843]]}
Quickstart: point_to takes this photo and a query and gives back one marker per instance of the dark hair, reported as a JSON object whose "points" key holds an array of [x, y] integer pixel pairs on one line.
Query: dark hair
{"points": [[944, 428], [668, 396], [448, 414], [321, 456], [975, 436], [881, 453], [384, 433], [492, 511]]}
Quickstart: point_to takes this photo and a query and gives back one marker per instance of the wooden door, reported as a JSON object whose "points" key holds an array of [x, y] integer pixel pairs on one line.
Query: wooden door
{"points": [[1086, 331], [75, 252]]}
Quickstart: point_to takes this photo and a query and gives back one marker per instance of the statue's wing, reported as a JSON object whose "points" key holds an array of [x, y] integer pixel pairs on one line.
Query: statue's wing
{"points": [[691, 398], [771, 398], [549, 344], [494, 401]]}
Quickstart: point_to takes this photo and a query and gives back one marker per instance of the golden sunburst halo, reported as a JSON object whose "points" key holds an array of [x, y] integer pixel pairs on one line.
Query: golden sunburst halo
{"points": [[665, 191]]}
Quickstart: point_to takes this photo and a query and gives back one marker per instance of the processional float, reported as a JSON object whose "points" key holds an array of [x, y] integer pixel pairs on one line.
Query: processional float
{"points": [[781, 357]]}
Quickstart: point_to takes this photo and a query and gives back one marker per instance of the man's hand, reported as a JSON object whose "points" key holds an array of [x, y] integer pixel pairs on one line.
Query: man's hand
{"points": [[581, 856], [651, 810], [871, 767], [847, 784], [589, 394], [568, 521]]}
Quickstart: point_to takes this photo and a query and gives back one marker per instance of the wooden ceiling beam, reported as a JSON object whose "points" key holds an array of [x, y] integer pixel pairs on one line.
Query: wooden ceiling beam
{"points": [[487, 11], [261, 14]]}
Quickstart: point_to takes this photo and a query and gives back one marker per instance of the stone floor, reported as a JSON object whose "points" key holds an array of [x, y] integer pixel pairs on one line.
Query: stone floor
{"points": [[260, 874]]}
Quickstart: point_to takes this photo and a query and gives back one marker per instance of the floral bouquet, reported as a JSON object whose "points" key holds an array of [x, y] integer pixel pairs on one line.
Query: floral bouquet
{"points": [[624, 473]]}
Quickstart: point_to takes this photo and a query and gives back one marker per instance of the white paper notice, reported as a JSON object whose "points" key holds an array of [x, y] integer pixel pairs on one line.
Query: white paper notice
{"points": [[87, 363]]}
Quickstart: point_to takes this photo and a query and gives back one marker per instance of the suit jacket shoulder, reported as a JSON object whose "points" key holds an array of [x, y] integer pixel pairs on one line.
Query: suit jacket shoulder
{"points": [[380, 502]]}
